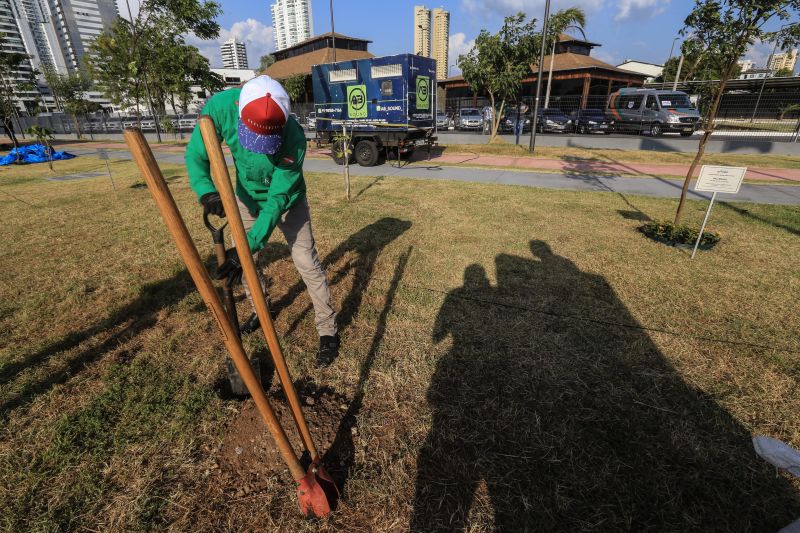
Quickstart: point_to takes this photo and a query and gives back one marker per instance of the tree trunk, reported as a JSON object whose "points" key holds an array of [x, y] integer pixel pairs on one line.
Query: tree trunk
{"points": [[77, 126], [701, 148], [492, 131], [497, 117], [9, 129]]}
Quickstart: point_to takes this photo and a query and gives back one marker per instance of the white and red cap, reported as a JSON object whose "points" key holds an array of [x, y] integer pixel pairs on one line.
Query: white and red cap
{"points": [[263, 110]]}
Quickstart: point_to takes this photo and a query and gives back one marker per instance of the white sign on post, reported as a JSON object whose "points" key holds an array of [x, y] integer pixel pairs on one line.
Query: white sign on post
{"points": [[716, 179], [720, 179]]}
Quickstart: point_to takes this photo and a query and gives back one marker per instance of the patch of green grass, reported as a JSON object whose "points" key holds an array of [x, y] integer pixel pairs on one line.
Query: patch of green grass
{"points": [[142, 407]]}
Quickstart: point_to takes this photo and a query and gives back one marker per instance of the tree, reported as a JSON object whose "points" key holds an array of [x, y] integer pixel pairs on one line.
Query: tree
{"points": [[10, 65], [71, 90], [725, 29], [697, 64], [295, 86], [44, 137], [265, 62], [128, 60], [783, 72], [499, 62], [788, 109]]}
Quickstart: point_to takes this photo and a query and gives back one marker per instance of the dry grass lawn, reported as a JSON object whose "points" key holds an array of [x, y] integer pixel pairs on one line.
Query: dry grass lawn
{"points": [[513, 359]]}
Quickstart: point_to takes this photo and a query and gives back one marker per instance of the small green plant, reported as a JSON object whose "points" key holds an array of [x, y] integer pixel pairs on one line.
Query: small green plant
{"points": [[45, 137], [168, 126], [668, 233]]}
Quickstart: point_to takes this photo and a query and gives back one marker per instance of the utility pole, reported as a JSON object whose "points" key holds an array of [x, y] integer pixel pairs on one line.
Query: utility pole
{"points": [[539, 77], [671, 49], [766, 74], [333, 33], [677, 74]]}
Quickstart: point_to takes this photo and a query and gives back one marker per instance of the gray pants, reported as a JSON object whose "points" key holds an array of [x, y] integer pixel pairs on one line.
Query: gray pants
{"points": [[295, 224]]}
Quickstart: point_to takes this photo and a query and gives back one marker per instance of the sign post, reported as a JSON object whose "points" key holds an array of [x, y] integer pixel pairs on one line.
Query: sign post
{"points": [[716, 179], [102, 153]]}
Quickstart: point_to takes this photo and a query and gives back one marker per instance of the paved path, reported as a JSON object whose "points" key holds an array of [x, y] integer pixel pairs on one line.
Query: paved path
{"points": [[579, 166], [658, 187]]}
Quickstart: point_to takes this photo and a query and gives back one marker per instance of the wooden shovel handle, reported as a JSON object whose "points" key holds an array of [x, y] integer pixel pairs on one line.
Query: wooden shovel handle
{"points": [[169, 211], [222, 181]]}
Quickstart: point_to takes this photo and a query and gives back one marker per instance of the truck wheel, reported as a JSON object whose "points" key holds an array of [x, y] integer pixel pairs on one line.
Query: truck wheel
{"points": [[336, 148], [366, 153]]}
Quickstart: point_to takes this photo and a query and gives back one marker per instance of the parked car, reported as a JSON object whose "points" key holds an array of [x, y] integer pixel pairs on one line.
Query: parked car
{"points": [[294, 116], [652, 111], [469, 119], [553, 120], [187, 122], [442, 120], [509, 120], [311, 120], [590, 121]]}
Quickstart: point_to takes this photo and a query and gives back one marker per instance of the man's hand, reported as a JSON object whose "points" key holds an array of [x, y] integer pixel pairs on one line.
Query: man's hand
{"points": [[212, 204], [231, 268]]}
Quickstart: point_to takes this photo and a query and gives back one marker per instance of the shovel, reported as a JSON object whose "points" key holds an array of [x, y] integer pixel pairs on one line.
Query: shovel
{"points": [[222, 182], [234, 378], [310, 494]]}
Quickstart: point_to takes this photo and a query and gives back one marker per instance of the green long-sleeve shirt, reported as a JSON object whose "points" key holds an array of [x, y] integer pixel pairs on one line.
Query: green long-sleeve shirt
{"points": [[269, 185]]}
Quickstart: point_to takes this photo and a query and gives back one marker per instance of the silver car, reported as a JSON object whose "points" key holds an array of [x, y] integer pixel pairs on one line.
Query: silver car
{"points": [[469, 119]]}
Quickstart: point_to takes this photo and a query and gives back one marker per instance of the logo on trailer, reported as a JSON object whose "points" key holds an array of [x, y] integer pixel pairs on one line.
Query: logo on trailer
{"points": [[423, 92], [357, 101]]}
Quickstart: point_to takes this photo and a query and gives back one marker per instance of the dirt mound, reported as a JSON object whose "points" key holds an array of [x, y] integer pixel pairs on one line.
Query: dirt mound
{"points": [[249, 454]]}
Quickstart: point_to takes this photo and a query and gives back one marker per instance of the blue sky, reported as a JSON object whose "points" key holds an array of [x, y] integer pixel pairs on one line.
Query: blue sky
{"points": [[637, 29]]}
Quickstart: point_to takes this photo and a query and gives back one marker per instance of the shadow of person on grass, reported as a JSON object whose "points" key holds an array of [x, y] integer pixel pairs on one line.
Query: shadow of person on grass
{"points": [[361, 250], [554, 410], [121, 325]]}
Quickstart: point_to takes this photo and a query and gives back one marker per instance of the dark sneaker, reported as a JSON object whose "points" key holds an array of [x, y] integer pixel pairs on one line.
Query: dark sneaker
{"points": [[328, 350], [250, 325]]}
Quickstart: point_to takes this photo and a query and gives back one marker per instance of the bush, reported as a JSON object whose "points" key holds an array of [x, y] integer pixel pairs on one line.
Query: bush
{"points": [[668, 233]]}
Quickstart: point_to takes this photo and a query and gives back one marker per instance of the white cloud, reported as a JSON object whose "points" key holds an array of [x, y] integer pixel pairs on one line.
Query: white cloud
{"points": [[458, 45], [634, 9], [609, 58], [534, 8], [258, 39], [758, 53]]}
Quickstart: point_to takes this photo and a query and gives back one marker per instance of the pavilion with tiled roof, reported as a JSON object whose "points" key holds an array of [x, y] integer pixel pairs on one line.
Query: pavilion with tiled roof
{"points": [[576, 74]]}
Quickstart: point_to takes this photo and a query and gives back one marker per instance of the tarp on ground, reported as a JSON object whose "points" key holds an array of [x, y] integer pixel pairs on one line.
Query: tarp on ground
{"points": [[33, 153]]}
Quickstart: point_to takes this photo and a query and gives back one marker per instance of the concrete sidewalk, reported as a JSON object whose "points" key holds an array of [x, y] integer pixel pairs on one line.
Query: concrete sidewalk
{"points": [[657, 187], [576, 166]]}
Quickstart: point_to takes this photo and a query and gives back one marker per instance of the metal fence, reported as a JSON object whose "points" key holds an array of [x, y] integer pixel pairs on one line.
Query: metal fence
{"points": [[773, 116], [92, 125]]}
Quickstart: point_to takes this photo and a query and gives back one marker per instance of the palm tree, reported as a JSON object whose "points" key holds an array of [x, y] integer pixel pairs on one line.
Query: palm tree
{"points": [[561, 21]]}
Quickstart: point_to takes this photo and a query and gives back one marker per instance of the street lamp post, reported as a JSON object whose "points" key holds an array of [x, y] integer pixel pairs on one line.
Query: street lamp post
{"points": [[671, 49], [766, 74], [539, 78]]}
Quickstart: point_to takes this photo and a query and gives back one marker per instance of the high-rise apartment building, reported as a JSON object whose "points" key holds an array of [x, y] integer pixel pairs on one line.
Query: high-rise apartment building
{"points": [[783, 60], [291, 22], [432, 36], [234, 54], [422, 31], [440, 41], [13, 42]]}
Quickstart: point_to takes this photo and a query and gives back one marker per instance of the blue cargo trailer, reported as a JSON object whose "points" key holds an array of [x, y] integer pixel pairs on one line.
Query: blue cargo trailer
{"points": [[386, 104]]}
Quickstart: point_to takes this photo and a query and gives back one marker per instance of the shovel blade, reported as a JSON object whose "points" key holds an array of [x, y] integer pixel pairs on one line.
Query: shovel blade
{"points": [[317, 492]]}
